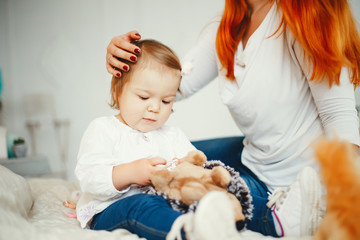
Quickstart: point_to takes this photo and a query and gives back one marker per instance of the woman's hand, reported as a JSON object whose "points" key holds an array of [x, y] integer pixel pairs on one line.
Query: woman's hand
{"points": [[138, 172], [122, 48]]}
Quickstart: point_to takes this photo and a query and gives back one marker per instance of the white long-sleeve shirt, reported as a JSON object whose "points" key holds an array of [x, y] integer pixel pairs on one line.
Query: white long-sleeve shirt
{"points": [[106, 143], [272, 102]]}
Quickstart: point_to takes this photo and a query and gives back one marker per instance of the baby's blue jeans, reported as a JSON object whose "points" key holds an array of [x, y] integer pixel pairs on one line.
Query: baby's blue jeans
{"points": [[151, 216], [148, 216]]}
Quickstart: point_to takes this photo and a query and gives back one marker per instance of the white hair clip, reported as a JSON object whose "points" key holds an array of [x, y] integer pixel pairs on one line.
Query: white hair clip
{"points": [[186, 68]]}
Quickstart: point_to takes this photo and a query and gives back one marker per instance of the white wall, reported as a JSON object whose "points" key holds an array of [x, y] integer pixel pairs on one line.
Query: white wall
{"points": [[59, 46]]}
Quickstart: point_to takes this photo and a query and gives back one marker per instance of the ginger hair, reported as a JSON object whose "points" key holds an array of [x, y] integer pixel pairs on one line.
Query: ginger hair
{"points": [[326, 30], [152, 52]]}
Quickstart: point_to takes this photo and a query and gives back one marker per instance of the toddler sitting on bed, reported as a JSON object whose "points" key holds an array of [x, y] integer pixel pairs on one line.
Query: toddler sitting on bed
{"points": [[118, 154]]}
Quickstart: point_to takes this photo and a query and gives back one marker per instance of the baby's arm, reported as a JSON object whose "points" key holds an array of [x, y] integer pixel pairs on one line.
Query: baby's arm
{"points": [[137, 172], [100, 173]]}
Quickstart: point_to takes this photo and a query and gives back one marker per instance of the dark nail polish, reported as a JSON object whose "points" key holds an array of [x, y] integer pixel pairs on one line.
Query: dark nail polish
{"points": [[137, 50], [133, 58], [125, 68], [118, 74]]}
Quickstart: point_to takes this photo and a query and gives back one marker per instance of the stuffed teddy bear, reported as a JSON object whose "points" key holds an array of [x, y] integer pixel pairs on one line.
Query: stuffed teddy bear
{"points": [[190, 181]]}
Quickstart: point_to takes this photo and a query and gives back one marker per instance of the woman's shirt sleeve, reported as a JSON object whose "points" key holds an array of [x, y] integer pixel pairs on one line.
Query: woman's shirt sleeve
{"points": [[336, 108], [95, 162], [335, 104], [199, 66]]}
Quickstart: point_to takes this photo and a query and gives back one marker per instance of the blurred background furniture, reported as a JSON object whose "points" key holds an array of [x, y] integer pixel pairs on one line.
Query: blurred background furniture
{"points": [[40, 112], [31, 166]]}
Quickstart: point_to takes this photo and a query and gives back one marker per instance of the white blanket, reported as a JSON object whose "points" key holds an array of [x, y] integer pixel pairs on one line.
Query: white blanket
{"points": [[32, 209]]}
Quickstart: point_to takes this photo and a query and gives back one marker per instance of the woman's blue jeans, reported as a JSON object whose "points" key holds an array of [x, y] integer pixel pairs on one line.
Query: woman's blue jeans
{"points": [[151, 216], [228, 150]]}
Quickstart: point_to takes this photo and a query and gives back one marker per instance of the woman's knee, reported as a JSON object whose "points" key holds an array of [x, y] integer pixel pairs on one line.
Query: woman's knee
{"points": [[228, 149]]}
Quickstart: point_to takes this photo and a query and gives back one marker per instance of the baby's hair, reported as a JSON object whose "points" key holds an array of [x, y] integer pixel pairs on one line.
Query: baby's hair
{"points": [[151, 51]]}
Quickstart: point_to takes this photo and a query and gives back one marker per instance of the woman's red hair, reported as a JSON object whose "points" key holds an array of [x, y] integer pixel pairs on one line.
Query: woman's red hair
{"points": [[325, 29]]}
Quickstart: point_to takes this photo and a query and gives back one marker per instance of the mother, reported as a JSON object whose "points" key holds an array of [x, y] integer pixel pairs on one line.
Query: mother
{"points": [[287, 72]]}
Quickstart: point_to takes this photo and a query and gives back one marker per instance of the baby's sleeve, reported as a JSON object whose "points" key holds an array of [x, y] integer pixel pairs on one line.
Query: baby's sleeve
{"points": [[95, 162]]}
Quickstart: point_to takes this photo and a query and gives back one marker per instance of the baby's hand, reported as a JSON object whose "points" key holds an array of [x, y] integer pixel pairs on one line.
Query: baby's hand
{"points": [[144, 168], [179, 160]]}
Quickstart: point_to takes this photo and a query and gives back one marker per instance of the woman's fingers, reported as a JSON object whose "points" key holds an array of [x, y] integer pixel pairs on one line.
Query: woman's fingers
{"points": [[121, 52], [129, 37], [120, 47], [125, 42], [114, 62], [112, 70]]}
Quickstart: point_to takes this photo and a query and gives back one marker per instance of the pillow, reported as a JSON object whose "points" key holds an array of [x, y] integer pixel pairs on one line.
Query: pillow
{"points": [[15, 193]]}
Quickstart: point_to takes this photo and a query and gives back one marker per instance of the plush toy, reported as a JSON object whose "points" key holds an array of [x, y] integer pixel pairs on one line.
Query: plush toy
{"points": [[75, 196], [340, 171], [190, 181]]}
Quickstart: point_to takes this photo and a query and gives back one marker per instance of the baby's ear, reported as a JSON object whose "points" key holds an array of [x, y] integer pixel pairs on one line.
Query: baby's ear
{"points": [[196, 157]]}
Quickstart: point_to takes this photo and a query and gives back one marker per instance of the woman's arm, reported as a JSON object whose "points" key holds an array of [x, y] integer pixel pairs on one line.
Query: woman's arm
{"points": [[336, 108], [199, 66], [335, 104]]}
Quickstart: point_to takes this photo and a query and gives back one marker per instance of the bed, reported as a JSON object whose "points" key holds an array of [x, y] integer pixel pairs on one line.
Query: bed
{"points": [[32, 209]]}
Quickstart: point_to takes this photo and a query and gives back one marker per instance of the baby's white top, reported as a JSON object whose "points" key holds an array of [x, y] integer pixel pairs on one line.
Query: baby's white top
{"points": [[107, 142]]}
